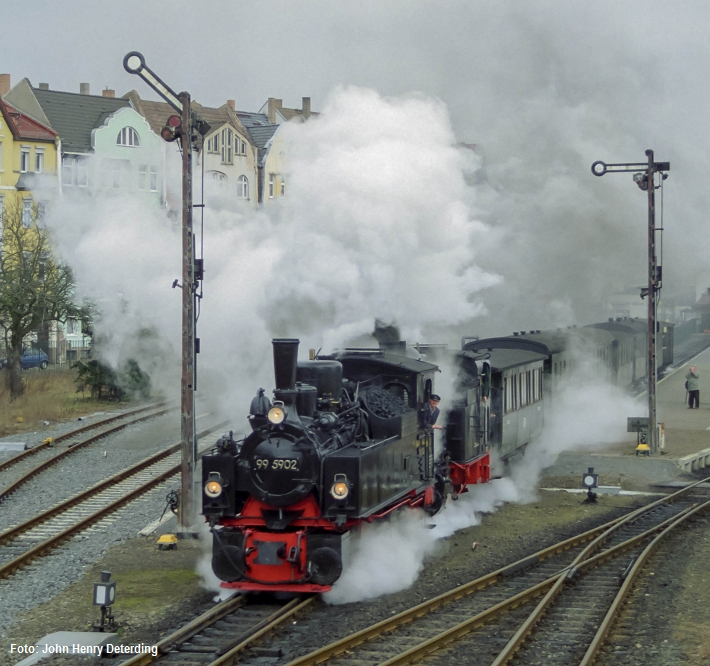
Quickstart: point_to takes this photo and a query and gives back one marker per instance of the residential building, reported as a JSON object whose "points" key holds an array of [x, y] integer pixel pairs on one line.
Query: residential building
{"points": [[273, 153], [106, 146], [277, 113], [228, 155], [261, 132], [28, 159]]}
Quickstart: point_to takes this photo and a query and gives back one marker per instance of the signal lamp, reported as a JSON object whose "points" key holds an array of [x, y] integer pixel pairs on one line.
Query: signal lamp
{"points": [[277, 414], [169, 133], [213, 487], [340, 488], [590, 480], [174, 121]]}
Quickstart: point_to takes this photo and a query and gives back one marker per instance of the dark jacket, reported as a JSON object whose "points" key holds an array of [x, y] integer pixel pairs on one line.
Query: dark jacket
{"points": [[430, 416]]}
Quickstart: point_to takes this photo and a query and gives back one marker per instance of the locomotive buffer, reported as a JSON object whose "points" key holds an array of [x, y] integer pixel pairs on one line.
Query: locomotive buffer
{"points": [[646, 181]]}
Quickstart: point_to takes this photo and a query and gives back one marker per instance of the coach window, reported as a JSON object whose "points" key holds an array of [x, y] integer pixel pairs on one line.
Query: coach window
{"points": [[506, 395]]}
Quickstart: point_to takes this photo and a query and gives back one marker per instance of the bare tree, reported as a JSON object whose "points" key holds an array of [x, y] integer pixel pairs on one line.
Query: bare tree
{"points": [[34, 289]]}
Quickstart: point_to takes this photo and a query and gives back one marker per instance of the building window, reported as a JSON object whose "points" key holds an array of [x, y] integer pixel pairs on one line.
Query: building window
{"points": [[68, 171], [148, 178], [111, 174], [1, 169], [42, 266], [24, 160], [41, 212], [283, 186], [39, 160], [75, 172], [2, 208], [128, 137], [26, 212], [242, 187], [244, 148], [82, 173], [217, 177], [227, 135], [272, 180], [240, 148]]}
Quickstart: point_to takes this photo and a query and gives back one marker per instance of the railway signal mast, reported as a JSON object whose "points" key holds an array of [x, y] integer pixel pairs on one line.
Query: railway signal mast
{"points": [[188, 128], [646, 180]]}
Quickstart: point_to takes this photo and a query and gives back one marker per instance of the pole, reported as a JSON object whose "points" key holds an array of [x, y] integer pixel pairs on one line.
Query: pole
{"points": [[186, 516], [652, 282]]}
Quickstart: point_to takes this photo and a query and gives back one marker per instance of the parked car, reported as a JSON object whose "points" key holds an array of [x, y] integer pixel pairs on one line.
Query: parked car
{"points": [[31, 358]]}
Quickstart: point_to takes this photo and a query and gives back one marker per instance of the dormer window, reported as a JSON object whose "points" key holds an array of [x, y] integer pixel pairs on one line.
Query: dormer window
{"points": [[128, 137]]}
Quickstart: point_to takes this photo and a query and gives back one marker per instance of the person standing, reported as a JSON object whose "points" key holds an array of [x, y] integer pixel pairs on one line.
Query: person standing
{"points": [[432, 413], [693, 387]]}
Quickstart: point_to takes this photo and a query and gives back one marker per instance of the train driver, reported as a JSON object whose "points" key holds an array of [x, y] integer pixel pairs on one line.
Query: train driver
{"points": [[432, 412]]}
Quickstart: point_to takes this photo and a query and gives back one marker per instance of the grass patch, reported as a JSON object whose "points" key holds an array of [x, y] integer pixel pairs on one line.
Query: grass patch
{"points": [[50, 395], [150, 590]]}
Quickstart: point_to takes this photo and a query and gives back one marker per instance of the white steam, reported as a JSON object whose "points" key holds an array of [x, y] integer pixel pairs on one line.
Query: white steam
{"points": [[377, 222], [586, 413]]}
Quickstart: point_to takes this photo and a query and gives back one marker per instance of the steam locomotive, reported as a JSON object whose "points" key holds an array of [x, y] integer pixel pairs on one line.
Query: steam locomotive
{"points": [[345, 441]]}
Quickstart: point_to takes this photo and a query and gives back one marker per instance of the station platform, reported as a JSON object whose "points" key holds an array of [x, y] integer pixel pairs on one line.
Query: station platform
{"points": [[687, 437]]}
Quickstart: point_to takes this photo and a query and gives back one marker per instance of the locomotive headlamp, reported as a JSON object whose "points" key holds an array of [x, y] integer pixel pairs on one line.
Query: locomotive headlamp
{"points": [[277, 414], [340, 488], [213, 487]]}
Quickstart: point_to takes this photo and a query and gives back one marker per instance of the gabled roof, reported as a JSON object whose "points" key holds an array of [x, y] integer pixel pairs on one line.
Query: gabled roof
{"points": [[259, 128], [24, 127], [157, 113], [74, 115]]}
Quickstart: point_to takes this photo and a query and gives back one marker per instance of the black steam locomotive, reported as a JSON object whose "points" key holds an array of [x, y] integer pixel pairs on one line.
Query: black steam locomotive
{"points": [[344, 441]]}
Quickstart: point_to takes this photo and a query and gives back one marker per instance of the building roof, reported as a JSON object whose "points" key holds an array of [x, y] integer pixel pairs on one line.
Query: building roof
{"points": [[74, 115], [24, 127], [157, 113], [260, 130]]}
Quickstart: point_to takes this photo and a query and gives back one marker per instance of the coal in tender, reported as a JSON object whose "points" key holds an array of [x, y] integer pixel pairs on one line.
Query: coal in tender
{"points": [[384, 404]]}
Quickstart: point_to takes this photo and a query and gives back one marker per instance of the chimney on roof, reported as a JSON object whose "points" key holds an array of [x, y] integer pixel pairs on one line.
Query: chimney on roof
{"points": [[84, 89], [43, 86], [4, 84], [107, 92], [306, 107], [273, 105], [231, 104]]}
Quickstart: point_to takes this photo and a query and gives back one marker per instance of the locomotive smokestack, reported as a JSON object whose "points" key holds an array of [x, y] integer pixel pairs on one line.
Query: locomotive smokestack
{"points": [[285, 361]]}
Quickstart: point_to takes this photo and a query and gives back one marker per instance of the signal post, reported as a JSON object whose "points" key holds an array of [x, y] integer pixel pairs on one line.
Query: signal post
{"points": [[187, 128], [646, 181]]}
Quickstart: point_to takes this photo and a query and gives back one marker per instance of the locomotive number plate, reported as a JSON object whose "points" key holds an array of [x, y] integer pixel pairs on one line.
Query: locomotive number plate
{"points": [[277, 463]]}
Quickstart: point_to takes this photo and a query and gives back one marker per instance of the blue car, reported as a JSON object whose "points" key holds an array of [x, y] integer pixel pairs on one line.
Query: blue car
{"points": [[31, 358]]}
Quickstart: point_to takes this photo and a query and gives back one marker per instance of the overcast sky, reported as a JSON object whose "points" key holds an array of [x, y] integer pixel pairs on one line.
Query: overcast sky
{"points": [[542, 88]]}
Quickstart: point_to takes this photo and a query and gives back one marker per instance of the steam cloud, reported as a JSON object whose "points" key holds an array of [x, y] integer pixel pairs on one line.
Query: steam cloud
{"points": [[379, 222], [587, 413]]}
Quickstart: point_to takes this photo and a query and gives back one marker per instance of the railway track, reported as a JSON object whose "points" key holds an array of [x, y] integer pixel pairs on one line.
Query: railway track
{"points": [[492, 612], [20, 469], [23, 543], [222, 634]]}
